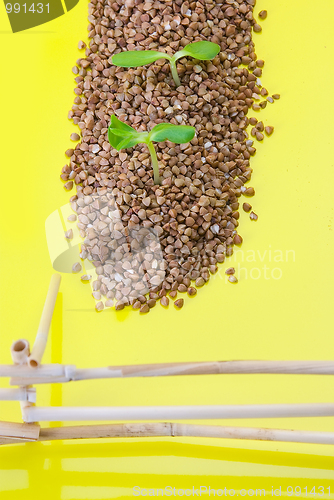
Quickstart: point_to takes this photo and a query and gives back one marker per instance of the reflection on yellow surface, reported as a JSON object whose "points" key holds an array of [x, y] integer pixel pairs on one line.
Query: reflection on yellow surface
{"points": [[113, 469]]}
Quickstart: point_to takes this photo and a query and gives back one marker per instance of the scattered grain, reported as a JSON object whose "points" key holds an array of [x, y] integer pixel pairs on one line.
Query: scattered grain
{"points": [[249, 191], [69, 234], [179, 303], [99, 306], [237, 240], [263, 14], [76, 268], [86, 277], [233, 279], [164, 301], [199, 282], [144, 308], [247, 207], [269, 130], [194, 213], [229, 271]]}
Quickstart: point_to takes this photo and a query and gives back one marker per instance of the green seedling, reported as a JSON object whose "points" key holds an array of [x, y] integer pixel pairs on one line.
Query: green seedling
{"points": [[204, 51], [122, 136]]}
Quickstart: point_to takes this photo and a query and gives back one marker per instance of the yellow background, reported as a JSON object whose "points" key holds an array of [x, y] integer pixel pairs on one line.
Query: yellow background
{"points": [[286, 318]]}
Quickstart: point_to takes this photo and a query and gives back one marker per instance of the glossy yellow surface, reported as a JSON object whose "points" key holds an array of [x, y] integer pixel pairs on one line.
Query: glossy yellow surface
{"points": [[282, 307]]}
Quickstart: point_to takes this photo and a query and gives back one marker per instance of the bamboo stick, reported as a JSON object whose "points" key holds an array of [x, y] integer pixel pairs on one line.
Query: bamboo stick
{"points": [[69, 373], [167, 429], [300, 367], [18, 431], [177, 430], [206, 368], [109, 430], [21, 394], [20, 351], [217, 367], [62, 414], [224, 367], [38, 349]]}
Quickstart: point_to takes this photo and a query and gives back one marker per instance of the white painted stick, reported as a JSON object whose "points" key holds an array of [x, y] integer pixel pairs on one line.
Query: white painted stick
{"points": [[67, 373], [258, 434], [38, 349], [21, 394], [68, 414], [20, 351], [38, 380], [24, 371]]}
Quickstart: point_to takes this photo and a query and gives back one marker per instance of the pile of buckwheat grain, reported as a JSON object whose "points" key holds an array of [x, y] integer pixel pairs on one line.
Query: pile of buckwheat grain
{"points": [[190, 221]]}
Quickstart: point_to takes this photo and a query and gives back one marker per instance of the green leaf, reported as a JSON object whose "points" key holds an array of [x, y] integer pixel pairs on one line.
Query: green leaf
{"points": [[174, 133], [203, 51], [118, 131], [122, 136], [117, 124], [132, 58], [129, 142]]}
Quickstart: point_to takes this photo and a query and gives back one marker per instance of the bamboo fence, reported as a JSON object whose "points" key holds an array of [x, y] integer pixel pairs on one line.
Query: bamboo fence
{"points": [[27, 370]]}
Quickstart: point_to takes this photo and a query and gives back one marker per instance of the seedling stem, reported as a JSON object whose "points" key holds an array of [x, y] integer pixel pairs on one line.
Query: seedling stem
{"points": [[155, 163]]}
